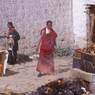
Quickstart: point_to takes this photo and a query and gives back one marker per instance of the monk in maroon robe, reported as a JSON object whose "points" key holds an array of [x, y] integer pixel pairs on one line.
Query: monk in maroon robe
{"points": [[46, 49]]}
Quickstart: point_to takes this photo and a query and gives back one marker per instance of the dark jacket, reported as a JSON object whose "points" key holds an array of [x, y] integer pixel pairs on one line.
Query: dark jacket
{"points": [[16, 37]]}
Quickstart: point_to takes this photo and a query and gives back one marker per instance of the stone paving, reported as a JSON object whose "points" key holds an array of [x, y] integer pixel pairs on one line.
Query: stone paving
{"points": [[23, 77]]}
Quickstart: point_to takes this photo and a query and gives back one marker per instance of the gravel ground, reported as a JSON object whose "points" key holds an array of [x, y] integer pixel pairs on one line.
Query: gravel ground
{"points": [[23, 77]]}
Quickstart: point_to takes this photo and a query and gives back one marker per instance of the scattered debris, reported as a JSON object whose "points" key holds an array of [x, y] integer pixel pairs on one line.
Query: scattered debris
{"points": [[34, 56], [63, 52], [61, 87]]}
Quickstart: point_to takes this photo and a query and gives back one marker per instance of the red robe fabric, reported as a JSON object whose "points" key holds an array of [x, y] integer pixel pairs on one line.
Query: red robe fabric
{"points": [[47, 43], [10, 30]]}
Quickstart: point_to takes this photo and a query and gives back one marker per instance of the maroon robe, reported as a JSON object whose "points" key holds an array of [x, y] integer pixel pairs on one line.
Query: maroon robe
{"points": [[47, 43]]}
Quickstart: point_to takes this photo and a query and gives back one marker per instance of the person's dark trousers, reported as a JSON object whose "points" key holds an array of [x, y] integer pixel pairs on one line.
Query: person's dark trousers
{"points": [[15, 55], [10, 57]]}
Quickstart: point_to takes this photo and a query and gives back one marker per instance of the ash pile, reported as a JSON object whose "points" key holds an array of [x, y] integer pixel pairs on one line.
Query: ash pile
{"points": [[61, 87]]}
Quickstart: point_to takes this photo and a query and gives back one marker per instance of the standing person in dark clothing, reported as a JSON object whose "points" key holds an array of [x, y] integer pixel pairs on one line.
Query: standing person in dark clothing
{"points": [[16, 37]]}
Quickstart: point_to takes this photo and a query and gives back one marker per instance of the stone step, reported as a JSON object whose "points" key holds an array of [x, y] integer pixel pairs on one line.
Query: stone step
{"points": [[77, 73], [90, 77]]}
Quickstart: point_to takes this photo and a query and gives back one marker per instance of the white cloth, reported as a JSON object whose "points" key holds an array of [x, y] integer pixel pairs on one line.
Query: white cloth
{"points": [[5, 62], [47, 31]]}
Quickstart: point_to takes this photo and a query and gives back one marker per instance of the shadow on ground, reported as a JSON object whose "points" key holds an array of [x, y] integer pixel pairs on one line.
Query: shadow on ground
{"points": [[26, 93], [23, 59], [62, 70], [10, 73]]}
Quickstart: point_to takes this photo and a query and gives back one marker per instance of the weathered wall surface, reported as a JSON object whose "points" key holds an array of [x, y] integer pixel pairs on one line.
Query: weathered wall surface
{"points": [[29, 16], [81, 22]]}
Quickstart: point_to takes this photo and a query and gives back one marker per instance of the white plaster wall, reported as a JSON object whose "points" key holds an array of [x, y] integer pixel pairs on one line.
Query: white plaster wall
{"points": [[90, 1], [80, 22], [29, 16]]}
